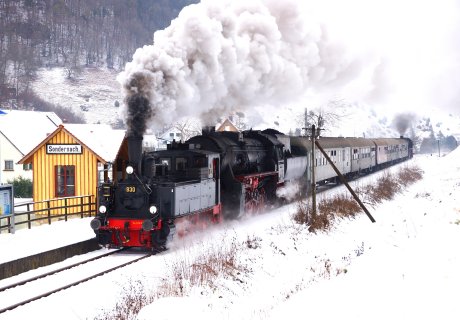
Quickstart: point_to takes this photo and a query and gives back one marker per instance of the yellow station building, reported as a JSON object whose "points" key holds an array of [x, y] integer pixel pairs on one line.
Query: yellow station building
{"points": [[70, 161]]}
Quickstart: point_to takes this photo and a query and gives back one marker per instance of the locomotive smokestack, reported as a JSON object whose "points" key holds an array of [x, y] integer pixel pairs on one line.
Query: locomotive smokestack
{"points": [[139, 111], [135, 151]]}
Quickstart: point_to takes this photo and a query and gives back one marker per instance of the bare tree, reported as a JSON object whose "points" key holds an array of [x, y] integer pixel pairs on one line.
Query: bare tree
{"points": [[188, 128], [239, 121], [324, 117]]}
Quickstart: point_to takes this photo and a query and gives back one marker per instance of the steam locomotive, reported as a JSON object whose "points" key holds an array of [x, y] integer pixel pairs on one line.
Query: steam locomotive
{"points": [[221, 175]]}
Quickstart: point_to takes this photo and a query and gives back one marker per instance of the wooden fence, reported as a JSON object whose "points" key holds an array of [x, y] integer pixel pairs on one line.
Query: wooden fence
{"points": [[37, 213]]}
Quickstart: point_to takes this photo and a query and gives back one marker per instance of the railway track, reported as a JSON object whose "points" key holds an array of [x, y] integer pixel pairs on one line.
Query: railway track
{"points": [[35, 288]]}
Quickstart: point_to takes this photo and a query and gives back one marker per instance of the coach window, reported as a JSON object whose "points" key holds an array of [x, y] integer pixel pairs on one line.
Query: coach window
{"points": [[65, 181]]}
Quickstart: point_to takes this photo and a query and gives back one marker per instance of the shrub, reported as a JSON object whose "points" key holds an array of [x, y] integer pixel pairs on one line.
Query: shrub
{"points": [[342, 205], [22, 187], [304, 215]]}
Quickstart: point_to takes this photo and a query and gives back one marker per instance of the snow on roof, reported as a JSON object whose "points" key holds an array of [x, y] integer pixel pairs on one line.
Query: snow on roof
{"points": [[100, 138], [26, 129]]}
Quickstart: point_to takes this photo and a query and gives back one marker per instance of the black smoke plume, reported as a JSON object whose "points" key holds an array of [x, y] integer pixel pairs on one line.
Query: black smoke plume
{"points": [[403, 121], [139, 111]]}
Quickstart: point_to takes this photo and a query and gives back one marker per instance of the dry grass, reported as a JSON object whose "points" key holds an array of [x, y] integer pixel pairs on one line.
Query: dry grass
{"points": [[339, 205], [184, 274], [204, 269], [343, 205], [301, 215], [409, 175], [134, 298]]}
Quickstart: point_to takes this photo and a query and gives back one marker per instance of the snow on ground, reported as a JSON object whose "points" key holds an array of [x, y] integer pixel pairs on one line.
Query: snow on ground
{"points": [[404, 266], [27, 242]]}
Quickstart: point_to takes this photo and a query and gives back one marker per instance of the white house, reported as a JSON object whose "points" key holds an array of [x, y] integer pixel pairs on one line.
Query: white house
{"points": [[20, 132], [168, 136]]}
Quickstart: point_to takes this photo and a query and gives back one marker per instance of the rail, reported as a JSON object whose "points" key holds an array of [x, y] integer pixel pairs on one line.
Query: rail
{"points": [[36, 212]]}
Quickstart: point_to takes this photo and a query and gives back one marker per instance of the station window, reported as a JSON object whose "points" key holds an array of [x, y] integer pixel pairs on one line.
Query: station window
{"points": [[65, 181], [9, 165], [27, 166]]}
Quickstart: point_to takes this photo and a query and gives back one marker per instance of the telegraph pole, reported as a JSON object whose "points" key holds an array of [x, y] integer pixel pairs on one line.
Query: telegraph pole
{"points": [[313, 133]]}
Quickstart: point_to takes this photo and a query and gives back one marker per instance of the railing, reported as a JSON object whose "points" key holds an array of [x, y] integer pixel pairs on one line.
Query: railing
{"points": [[47, 210]]}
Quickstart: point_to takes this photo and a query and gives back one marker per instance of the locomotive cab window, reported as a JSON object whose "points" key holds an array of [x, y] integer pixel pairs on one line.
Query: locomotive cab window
{"points": [[181, 164], [199, 162], [65, 181], [162, 166]]}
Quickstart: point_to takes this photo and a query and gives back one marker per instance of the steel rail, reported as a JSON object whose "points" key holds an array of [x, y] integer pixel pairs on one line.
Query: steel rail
{"points": [[20, 283], [46, 294]]}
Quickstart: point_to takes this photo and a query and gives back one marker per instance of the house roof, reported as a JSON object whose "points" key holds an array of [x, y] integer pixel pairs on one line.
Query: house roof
{"points": [[227, 123], [25, 129], [102, 140]]}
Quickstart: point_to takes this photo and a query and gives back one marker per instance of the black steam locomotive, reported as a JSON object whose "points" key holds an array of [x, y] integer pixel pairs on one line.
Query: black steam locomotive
{"points": [[220, 175]]}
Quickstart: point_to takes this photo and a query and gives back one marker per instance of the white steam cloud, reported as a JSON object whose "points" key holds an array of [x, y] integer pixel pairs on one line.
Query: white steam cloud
{"points": [[221, 56], [289, 191]]}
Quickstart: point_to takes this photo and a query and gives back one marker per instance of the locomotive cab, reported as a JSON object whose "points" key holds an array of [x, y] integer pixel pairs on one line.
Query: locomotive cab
{"points": [[142, 209]]}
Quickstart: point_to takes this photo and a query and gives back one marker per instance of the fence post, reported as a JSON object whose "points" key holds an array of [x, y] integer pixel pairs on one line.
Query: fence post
{"points": [[65, 209], [29, 223], [81, 207], [13, 222], [8, 224], [49, 211]]}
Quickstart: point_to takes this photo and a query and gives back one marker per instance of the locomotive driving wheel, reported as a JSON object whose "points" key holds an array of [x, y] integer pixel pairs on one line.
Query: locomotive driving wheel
{"points": [[255, 201]]}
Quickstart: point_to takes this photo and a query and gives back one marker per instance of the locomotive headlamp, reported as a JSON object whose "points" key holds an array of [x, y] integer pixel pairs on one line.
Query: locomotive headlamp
{"points": [[129, 170], [102, 209], [153, 209]]}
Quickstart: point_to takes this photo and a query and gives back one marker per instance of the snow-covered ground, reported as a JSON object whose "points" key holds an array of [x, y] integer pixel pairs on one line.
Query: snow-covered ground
{"points": [[92, 93], [404, 266]]}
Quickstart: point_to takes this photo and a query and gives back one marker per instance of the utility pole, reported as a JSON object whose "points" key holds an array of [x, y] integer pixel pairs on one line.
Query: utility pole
{"points": [[439, 149], [313, 133]]}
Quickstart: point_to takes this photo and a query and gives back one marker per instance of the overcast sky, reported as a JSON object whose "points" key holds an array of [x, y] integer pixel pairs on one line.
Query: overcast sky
{"points": [[409, 48]]}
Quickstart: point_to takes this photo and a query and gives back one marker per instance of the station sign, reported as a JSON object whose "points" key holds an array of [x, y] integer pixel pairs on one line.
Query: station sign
{"points": [[6, 199], [63, 149]]}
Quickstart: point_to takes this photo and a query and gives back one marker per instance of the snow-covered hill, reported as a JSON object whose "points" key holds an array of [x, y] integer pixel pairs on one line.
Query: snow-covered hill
{"points": [[95, 94]]}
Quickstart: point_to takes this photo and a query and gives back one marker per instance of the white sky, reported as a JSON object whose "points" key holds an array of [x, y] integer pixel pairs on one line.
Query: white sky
{"points": [[404, 266], [417, 42]]}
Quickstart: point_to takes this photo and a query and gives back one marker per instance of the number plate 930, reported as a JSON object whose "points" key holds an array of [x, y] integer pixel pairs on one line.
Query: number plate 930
{"points": [[130, 189]]}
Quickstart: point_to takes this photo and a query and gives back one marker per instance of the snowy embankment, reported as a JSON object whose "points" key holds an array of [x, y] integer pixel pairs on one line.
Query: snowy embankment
{"points": [[404, 266]]}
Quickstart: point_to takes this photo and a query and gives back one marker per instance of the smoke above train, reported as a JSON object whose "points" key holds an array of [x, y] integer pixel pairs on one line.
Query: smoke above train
{"points": [[219, 56]]}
